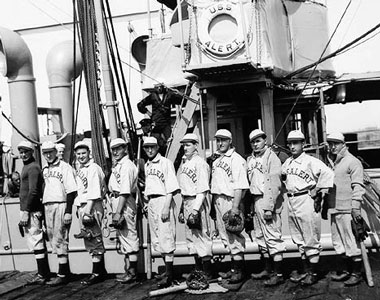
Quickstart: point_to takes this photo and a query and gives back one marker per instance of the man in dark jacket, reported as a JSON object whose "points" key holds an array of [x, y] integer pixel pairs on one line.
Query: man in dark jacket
{"points": [[31, 211], [161, 100]]}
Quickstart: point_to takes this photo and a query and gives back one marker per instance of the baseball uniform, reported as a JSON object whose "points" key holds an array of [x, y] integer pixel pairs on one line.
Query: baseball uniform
{"points": [[194, 179], [302, 175], [91, 186], [160, 180], [264, 175], [229, 173], [59, 181], [123, 180]]}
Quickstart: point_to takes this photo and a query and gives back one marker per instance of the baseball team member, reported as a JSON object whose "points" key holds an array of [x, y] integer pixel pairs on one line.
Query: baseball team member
{"points": [[345, 202], [160, 186], [31, 211], [123, 186], [306, 178], [91, 187], [59, 194], [194, 183], [264, 175], [228, 182]]}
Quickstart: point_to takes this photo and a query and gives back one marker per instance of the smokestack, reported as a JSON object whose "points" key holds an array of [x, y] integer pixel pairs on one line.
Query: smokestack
{"points": [[60, 67], [16, 64]]}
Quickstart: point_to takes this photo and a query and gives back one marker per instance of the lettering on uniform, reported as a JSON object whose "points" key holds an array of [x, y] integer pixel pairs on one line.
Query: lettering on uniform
{"points": [[190, 173], [82, 178], [257, 165], [299, 173], [53, 174], [224, 166], [117, 176], [157, 173]]}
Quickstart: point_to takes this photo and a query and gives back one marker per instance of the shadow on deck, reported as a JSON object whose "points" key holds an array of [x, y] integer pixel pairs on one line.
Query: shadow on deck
{"points": [[12, 286]]}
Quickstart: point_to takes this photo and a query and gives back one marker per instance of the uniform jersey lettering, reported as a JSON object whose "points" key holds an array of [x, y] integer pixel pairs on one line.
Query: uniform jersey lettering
{"points": [[224, 166], [117, 176], [257, 165], [190, 173], [300, 173], [82, 178], [54, 174], [157, 173]]}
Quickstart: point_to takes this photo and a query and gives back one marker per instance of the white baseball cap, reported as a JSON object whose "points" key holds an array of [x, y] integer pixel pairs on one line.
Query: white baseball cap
{"points": [[25, 145], [296, 135], [60, 146], [48, 146], [81, 144], [190, 137], [117, 142], [150, 141], [256, 133], [223, 133], [335, 137]]}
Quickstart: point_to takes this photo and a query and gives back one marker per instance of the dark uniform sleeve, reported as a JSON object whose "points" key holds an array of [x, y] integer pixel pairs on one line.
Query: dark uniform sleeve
{"points": [[141, 106], [34, 195], [174, 98]]}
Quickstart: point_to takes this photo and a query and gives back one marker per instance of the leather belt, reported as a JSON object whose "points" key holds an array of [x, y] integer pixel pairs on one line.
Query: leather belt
{"points": [[297, 194]]}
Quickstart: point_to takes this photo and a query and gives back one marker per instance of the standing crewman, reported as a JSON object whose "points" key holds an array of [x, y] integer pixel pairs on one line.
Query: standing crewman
{"points": [[123, 187], [91, 189], [307, 180], [345, 202], [59, 194], [31, 211], [60, 150], [228, 184], [194, 183], [160, 186], [264, 175]]}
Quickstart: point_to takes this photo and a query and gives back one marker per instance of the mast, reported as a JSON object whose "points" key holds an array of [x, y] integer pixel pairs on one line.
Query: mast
{"points": [[106, 70]]}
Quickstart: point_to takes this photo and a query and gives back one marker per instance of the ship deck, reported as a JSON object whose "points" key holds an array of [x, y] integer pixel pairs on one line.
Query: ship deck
{"points": [[12, 286]]}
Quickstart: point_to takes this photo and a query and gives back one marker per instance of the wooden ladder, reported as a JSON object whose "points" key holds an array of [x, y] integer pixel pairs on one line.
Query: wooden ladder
{"points": [[182, 124]]}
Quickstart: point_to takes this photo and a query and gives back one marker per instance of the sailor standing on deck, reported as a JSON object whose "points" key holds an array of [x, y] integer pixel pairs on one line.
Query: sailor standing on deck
{"points": [[264, 175], [91, 189], [31, 211], [160, 186], [123, 187], [345, 202], [194, 183], [59, 193], [307, 179], [228, 183]]}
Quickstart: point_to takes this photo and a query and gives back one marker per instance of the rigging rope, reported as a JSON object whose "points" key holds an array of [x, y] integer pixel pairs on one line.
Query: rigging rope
{"points": [[86, 14]]}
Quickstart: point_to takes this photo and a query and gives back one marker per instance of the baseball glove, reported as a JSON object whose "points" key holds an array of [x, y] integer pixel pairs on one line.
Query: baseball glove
{"points": [[194, 221], [118, 221], [360, 228], [88, 220], [234, 222], [197, 280]]}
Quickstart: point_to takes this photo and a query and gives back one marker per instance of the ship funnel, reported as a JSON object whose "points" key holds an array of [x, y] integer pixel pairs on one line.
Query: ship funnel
{"points": [[62, 69], [138, 50], [16, 64]]}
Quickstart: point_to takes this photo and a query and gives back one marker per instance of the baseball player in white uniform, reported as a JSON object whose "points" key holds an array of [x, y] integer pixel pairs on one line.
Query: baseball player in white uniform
{"points": [[123, 187], [228, 183], [345, 202], [31, 211], [305, 178], [91, 189], [160, 186], [59, 194], [264, 175], [194, 183]]}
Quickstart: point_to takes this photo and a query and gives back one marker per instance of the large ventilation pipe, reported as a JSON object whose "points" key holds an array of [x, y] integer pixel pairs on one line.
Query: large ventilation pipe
{"points": [[62, 69], [16, 65]]}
